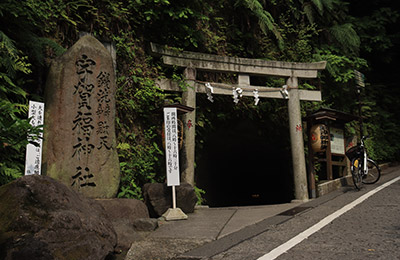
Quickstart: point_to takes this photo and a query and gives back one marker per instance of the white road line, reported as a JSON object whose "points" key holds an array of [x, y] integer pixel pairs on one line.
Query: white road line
{"points": [[305, 234]]}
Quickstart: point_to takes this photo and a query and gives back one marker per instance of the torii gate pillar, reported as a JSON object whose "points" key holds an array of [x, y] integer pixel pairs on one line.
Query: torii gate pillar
{"points": [[296, 137], [189, 119]]}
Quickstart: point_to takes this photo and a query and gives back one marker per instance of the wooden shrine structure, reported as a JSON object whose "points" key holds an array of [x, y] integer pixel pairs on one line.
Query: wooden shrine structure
{"points": [[292, 71], [333, 154]]}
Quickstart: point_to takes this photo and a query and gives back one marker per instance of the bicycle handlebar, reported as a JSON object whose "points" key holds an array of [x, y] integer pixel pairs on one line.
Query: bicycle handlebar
{"points": [[365, 137]]}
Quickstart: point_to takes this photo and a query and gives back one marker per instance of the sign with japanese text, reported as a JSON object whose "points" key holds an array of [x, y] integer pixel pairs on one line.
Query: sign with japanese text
{"points": [[33, 159], [337, 140], [171, 145]]}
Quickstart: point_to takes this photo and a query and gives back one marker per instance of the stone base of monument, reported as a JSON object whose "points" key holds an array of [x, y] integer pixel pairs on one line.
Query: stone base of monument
{"points": [[174, 214]]}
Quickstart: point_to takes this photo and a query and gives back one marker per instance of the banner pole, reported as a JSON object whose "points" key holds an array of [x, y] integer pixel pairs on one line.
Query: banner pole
{"points": [[172, 160], [173, 197]]}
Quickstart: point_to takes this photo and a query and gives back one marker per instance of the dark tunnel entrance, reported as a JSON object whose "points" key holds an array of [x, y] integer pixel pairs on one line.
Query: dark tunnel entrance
{"points": [[241, 165]]}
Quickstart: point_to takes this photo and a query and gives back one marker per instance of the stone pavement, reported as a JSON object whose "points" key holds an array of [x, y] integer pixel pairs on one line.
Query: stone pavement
{"points": [[210, 231], [178, 239]]}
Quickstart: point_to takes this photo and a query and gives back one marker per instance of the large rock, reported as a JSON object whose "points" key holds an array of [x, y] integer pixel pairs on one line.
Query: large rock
{"points": [[41, 218], [158, 198], [79, 146], [125, 214], [124, 209]]}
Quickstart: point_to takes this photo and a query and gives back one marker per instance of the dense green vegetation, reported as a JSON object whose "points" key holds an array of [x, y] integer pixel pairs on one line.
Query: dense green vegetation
{"points": [[360, 35]]}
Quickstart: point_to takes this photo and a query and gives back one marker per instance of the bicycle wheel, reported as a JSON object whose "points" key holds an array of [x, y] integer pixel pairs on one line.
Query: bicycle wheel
{"points": [[373, 173], [356, 172]]}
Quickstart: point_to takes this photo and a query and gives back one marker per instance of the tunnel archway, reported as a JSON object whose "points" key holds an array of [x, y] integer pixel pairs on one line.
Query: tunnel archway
{"points": [[241, 165]]}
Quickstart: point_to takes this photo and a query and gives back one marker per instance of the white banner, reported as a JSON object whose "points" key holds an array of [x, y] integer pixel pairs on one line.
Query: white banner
{"points": [[171, 145], [34, 153]]}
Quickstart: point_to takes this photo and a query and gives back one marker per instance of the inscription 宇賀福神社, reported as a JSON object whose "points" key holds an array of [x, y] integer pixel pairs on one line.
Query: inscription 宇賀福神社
{"points": [[82, 123]]}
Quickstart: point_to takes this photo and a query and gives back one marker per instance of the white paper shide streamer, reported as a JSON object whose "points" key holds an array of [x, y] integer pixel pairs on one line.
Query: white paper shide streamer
{"points": [[256, 97], [209, 91], [237, 93]]}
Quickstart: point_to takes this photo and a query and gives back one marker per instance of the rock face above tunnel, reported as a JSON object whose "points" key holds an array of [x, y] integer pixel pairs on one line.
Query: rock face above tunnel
{"points": [[41, 218]]}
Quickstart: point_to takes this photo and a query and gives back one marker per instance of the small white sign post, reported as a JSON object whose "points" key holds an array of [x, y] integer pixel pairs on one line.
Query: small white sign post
{"points": [[172, 160], [33, 159]]}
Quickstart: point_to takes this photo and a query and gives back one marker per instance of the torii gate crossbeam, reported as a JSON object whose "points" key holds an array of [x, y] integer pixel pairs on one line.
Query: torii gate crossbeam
{"points": [[244, 67]]}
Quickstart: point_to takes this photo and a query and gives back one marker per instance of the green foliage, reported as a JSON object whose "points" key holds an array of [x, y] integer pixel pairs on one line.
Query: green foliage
{"points": [[10, 61], [298, 39], [199, 194], [13, 107], [346, 36], [137, 164], [340, 67], [34, 32], [13, 140], [317, 8], [380, 107], [213, 32], [139, 121], [265, 19], [373, 29], [22, 53]]}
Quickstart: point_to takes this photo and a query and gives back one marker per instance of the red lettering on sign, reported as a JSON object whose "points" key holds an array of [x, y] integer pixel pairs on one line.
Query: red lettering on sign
{"points": [[189, 124]]}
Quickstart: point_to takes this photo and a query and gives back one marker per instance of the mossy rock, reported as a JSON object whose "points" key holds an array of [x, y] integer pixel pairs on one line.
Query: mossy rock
{"points": [[41, 218]]}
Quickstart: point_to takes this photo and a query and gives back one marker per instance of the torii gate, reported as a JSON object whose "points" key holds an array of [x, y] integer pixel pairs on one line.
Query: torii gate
{"points": [[244, 67]]}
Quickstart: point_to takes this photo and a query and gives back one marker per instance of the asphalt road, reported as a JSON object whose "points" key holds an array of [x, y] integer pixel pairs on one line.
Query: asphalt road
{"points": [[366, 228]]}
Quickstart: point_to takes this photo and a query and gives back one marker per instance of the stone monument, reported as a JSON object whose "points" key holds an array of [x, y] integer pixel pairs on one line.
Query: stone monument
{"points": [[79, 135]]}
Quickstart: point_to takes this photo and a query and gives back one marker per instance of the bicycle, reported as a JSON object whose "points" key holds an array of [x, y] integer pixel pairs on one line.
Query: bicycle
{"points": [[363, 169]]}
